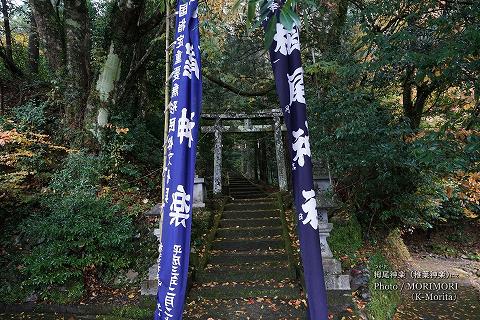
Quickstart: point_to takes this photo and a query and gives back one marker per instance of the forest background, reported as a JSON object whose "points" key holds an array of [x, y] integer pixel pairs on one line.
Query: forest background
{"points": [[393, 101]]}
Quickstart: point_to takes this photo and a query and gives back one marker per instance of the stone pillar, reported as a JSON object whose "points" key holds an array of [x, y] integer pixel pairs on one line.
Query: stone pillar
{"points": [[217, 160], [199, 192], [322, 187], [324, 229], [280, 155], [248, 155]]}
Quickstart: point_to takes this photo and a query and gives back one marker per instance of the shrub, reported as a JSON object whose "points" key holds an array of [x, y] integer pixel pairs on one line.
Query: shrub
{"points": [[346, 238], [79, 236], [31, 115], [388, 174]]}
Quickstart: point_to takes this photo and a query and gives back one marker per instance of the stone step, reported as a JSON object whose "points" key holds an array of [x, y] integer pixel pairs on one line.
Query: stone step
{"points": [[234, 233], [337, 281], [223, 258], [226, 290], [331, 266], [246, 197], [236, 309], [264, 199], [248, 223], [251, 205], [246, 273], [240, 182], [268, 264], [246, 192], [244, 188], [238, 214], [248, 245]]}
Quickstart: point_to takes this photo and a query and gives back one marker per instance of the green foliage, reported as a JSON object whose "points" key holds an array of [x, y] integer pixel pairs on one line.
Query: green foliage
{"points": [[30, 116], [387, 173], [346, 238], [364, 147], [79, 233], [27, 158], [438, 46], [202, 221], [444, 250], [128, 312], [383, 304], [287, 16], [80, 174]]}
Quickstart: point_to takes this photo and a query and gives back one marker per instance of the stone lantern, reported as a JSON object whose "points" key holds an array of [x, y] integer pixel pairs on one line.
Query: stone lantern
{"points": [[334, 279]]}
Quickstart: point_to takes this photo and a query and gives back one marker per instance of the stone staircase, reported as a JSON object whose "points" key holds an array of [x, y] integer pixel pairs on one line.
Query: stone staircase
{"points": [[248, 259]]}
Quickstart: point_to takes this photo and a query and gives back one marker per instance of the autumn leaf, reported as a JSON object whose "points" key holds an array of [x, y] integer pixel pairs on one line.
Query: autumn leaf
{"points": [[121, 130]]}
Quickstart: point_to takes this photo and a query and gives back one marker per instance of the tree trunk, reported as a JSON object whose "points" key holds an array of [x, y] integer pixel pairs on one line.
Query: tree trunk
{"points": [[77, 35], [117, 75], [413, 108], [7, 30], [263, 160], [2, 104], [256, 163], [33, 46], [6, 53], [334, 36], [50, 31]]}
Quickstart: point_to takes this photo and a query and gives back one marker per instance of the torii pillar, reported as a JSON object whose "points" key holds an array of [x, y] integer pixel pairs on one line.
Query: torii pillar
{"points": [[217, 160], [280, 155]]}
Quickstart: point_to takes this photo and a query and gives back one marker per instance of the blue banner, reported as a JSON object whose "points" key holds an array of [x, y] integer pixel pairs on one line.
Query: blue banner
{"points": [[287, 68], [185, 108]]}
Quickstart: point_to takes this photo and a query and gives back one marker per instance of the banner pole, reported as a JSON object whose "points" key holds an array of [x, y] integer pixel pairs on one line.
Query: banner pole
{"points": [[166, 112]]}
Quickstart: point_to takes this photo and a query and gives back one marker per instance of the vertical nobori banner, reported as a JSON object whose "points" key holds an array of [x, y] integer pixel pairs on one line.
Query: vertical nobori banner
{"points": [[287, 68], [185, 108]]}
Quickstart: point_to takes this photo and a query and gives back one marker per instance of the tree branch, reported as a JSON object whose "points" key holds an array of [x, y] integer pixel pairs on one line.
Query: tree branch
{"points": [[9, 64], [141, 63], [151, 23], [237, 90]]}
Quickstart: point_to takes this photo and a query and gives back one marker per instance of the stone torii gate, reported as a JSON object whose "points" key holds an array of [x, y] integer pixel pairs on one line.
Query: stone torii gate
{"points": [[218, 129], [334, 279]]}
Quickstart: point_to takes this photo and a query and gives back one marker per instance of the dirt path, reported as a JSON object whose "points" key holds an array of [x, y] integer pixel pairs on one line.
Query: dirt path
{"points": [[440, 288]]}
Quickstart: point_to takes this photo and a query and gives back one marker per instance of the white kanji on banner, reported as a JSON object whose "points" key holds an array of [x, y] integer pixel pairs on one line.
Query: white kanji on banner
{"points": [[185, 126], [273, 6], [191, 65], [295, 84], [180, 208], [286, 41], [182, 10], [310, 208], [301, 146]]}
